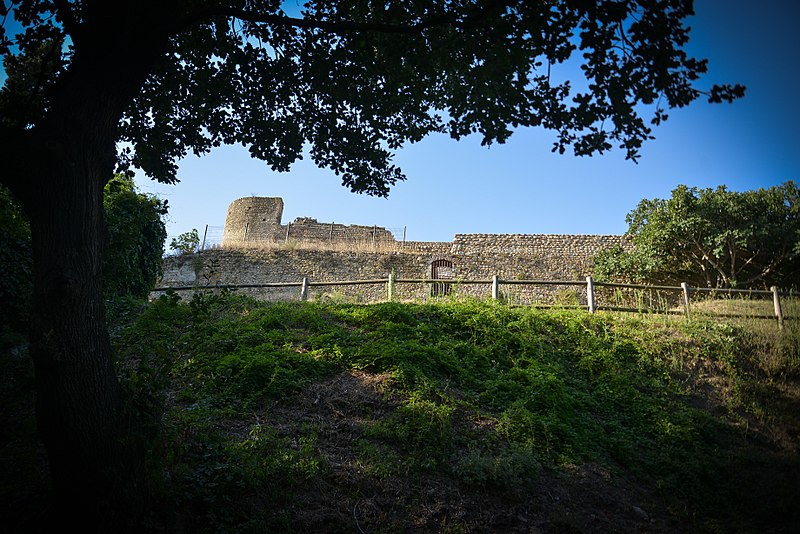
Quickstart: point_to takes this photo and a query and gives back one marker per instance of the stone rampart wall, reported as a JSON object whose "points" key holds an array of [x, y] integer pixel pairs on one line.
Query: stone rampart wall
{"points": [[473, 258], [430, 247], [578, 246], [252, 221], [305, 229], [221, 267]]}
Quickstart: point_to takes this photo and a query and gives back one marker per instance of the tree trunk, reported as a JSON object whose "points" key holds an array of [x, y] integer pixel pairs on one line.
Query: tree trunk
{"points": [[97, 470], [95, 453], [57, 169]]}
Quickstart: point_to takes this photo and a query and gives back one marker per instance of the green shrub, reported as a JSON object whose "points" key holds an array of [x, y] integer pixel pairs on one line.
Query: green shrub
{"points": [[508, 468], [477, 391]]}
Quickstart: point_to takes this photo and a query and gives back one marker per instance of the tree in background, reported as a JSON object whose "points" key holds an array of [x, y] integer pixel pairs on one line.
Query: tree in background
{"points": [[131, 266], [712, 238], [136, 234], [186, 243], [353, 80]]}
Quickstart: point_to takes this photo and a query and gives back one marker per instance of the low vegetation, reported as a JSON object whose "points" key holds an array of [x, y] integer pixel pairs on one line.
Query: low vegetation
{"points": [[482, 398], [337, 245], [458, 417]]}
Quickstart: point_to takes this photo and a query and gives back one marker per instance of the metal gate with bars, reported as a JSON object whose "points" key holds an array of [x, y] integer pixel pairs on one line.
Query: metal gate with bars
{"points": [[441, 270]]}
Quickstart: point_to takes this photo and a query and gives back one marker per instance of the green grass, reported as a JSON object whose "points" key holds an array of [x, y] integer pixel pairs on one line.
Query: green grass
{"points": [[485, 395]]}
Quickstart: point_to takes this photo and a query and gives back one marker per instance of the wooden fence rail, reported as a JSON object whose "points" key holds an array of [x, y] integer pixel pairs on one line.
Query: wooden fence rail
{"points": [[495, 282]]}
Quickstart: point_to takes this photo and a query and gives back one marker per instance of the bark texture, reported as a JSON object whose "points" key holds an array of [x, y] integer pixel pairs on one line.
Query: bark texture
{"points": [[94, 448]]}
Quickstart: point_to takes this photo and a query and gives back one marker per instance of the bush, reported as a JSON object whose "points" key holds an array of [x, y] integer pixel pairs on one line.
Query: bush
{"points": [[133, 256], [186, 243], [16, 266]]}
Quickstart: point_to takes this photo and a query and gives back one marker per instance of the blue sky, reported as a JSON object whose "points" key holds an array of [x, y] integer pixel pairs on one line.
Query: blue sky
{"points": [[521, 187]]}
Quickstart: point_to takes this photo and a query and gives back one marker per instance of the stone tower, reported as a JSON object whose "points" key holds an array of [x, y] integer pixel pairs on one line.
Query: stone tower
{"points": [[252, 220]]}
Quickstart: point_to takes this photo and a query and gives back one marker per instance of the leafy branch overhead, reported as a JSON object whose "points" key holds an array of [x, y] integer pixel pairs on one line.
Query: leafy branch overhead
{"points": [[355, 80]]}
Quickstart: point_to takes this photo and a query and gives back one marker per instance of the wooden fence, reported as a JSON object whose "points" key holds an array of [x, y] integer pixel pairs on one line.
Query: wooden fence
{"points": [[684, 292]]}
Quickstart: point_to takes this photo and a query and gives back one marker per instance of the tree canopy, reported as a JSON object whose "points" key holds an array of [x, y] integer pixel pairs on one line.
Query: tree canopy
{"points": [[136, 233], [713, 238], [354, 80], [93, 84]]}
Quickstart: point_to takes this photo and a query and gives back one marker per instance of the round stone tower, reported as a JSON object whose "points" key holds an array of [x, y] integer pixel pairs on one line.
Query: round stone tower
{"points": [[252, 220]]}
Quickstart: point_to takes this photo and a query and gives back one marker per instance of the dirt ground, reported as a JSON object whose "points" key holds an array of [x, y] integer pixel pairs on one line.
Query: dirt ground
{"points": [[349, 498], [586, 498]]}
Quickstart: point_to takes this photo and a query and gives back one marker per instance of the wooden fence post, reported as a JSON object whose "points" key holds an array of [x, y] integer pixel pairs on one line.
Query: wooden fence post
{"points": [[390, 286], [304, 289], [495, 287], [590, 294], [205, 233], [776, 300], [685, 288]]}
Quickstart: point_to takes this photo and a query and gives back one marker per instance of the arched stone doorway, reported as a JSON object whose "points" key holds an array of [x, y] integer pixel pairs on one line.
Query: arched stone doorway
{"points": [[441, 270]]}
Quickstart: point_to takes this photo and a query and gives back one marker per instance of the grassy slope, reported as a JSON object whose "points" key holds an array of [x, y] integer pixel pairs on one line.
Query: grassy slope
{"points": [[459, 417], [266, 403]]}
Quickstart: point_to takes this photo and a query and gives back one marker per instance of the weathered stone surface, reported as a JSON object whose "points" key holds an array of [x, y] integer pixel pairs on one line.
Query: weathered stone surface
{"points": [[186, 274], [257, 220], [559, 261], [252, 219]]}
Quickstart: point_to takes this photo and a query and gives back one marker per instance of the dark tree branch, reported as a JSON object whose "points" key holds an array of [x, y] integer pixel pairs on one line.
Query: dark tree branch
{"points": [[768, 269], [708, 256], [746, 263]]}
